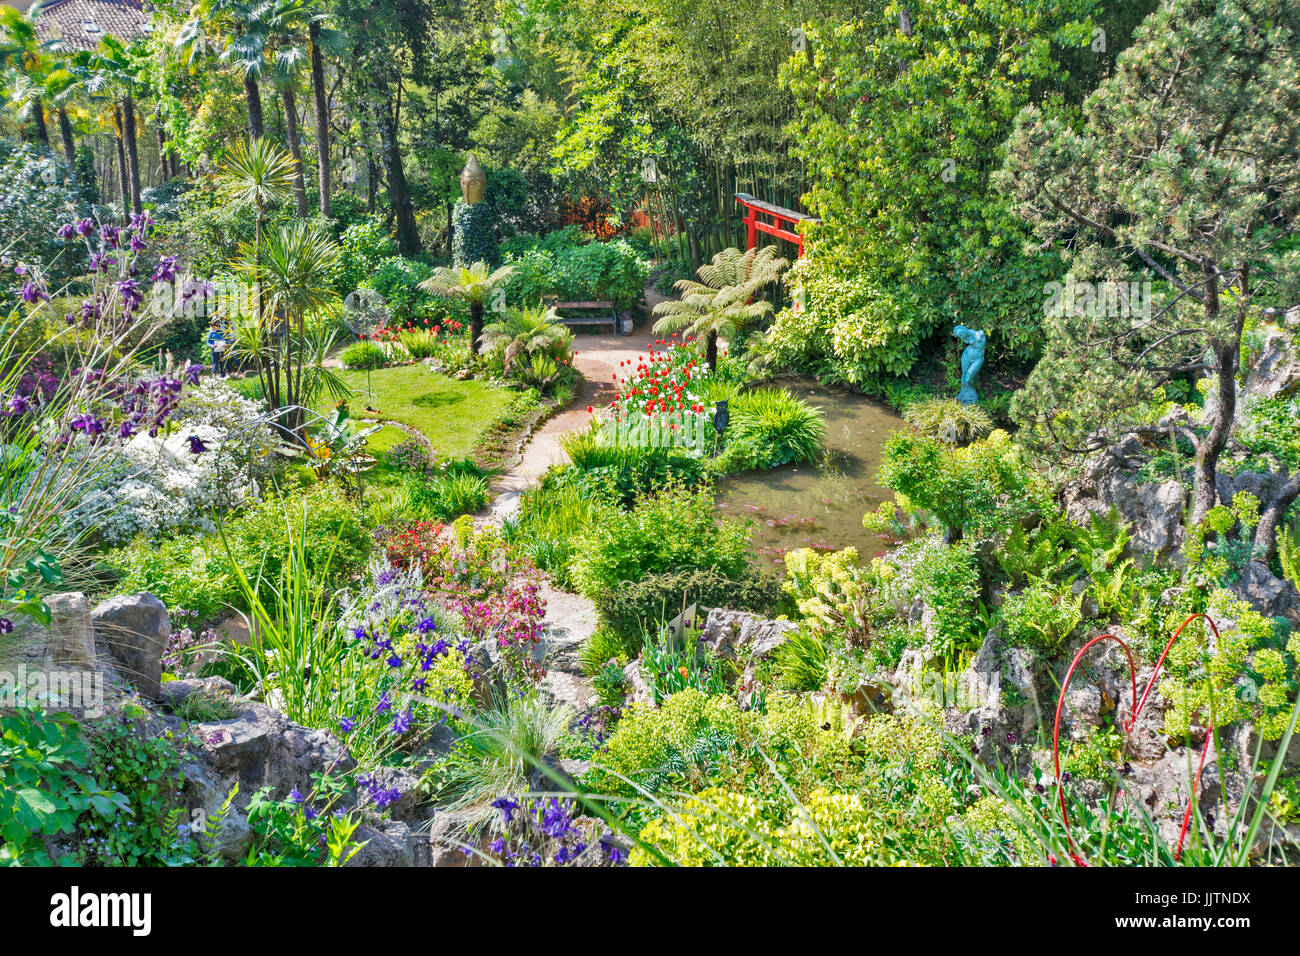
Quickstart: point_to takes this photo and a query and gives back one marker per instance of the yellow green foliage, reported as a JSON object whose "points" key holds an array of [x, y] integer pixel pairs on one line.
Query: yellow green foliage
{"points": [[722, 828]]}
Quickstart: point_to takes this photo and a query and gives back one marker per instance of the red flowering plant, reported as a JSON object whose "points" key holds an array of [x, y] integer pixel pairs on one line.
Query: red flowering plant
{"points": [[497, 597], [660, 401]]}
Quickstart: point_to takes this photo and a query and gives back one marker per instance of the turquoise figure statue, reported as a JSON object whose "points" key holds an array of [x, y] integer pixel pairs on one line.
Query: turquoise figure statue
{"points": [[972, 360]]}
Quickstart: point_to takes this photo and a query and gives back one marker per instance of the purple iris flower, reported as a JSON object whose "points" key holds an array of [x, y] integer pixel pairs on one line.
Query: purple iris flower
{"points": [[165, 270], [89, 424], [402, 722], [196, 445]]}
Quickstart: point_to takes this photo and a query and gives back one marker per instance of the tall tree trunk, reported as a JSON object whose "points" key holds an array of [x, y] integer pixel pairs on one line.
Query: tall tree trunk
{"points": [[399, 196], [1265, 542], [123, 176], [132, 154], [253, 95], [69, 146], [164, 173], [372, 178], [322, 120], [711, 352], [295, 150], [1227, 354], [38, 115]]}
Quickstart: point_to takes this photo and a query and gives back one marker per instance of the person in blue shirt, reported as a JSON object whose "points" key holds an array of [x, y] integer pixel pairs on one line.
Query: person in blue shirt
{"points": [[219, 343]]}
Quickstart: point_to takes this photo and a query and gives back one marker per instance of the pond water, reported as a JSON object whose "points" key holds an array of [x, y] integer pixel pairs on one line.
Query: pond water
{"points": [[819, 505]]}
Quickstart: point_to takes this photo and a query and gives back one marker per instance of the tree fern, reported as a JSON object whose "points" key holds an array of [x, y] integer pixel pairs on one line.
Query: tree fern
{"points": [[722, 302]]}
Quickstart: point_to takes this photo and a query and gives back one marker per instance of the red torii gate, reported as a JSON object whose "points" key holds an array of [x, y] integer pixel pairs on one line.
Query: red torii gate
{"points": [[780, 216]]}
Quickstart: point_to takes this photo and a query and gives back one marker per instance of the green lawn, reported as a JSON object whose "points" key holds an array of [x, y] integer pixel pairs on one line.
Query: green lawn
{"points": [[452, 415]]}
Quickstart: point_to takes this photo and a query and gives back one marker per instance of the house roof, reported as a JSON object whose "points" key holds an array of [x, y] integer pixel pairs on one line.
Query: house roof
{"points": [[81, 24]]}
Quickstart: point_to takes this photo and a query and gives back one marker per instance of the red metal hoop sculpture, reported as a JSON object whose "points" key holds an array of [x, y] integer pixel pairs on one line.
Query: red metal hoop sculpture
{"points": [[1135, 710]]}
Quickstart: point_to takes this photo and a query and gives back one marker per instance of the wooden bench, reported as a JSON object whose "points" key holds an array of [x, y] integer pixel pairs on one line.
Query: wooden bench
{"points": [[610, 317]]}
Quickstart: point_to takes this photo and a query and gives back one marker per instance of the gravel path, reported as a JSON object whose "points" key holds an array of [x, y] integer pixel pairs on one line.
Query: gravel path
{"points": [[570, 618], [597, 358]]}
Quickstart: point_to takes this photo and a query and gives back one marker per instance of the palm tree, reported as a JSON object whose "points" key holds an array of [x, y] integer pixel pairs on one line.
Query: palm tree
{"points": [[474, 284], [241, 34], [298, 263], [721, 302], [259, 172], [25, 64], [110, 69], [526, 331]]}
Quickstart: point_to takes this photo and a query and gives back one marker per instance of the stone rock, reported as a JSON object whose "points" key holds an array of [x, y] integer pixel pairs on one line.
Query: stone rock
{"points": [[999, 703], [72, 636], [639, 691], [1154, 511], [257, 748], [483, 661], [395, 778], [1276, 369], [386, 844], [446, 839], [871, 696], [135, 629], [1082, 710], [1268, 594], [732, 635]]}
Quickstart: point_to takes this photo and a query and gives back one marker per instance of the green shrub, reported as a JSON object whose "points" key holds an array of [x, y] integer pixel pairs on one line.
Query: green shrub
{"points": [[188, 571], [398, 281], [449, 494], [604, 645], [419, 344], [364, 355], [948, 580], [802, 662], [560, 265], [978, 488], [771, 427], [363, 244], [46, 784], [948, 419], [641, 604], [1041, 616], [675, 530], [197, 573], [472, 239]]}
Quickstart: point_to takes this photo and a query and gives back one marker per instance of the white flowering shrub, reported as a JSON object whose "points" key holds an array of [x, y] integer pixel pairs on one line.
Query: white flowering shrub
{"points": [[216, 405], [152, 485]]}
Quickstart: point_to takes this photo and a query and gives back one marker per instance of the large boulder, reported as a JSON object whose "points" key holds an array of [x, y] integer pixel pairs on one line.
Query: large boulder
{"points": [[1268, 594], [384, 844], [1154, 511], [255, 748], [59, 665], [135, 629], [999, 703], [1275, 372], [740, 635]]}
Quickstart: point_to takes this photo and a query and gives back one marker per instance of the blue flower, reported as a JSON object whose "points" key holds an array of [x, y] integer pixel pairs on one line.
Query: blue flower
{"points": [[346, 724], [295, 796], [402, 722], [507, 808]]}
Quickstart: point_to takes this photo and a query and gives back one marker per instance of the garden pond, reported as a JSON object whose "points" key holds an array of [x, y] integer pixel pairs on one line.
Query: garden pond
{"points": [[819, 505]]}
